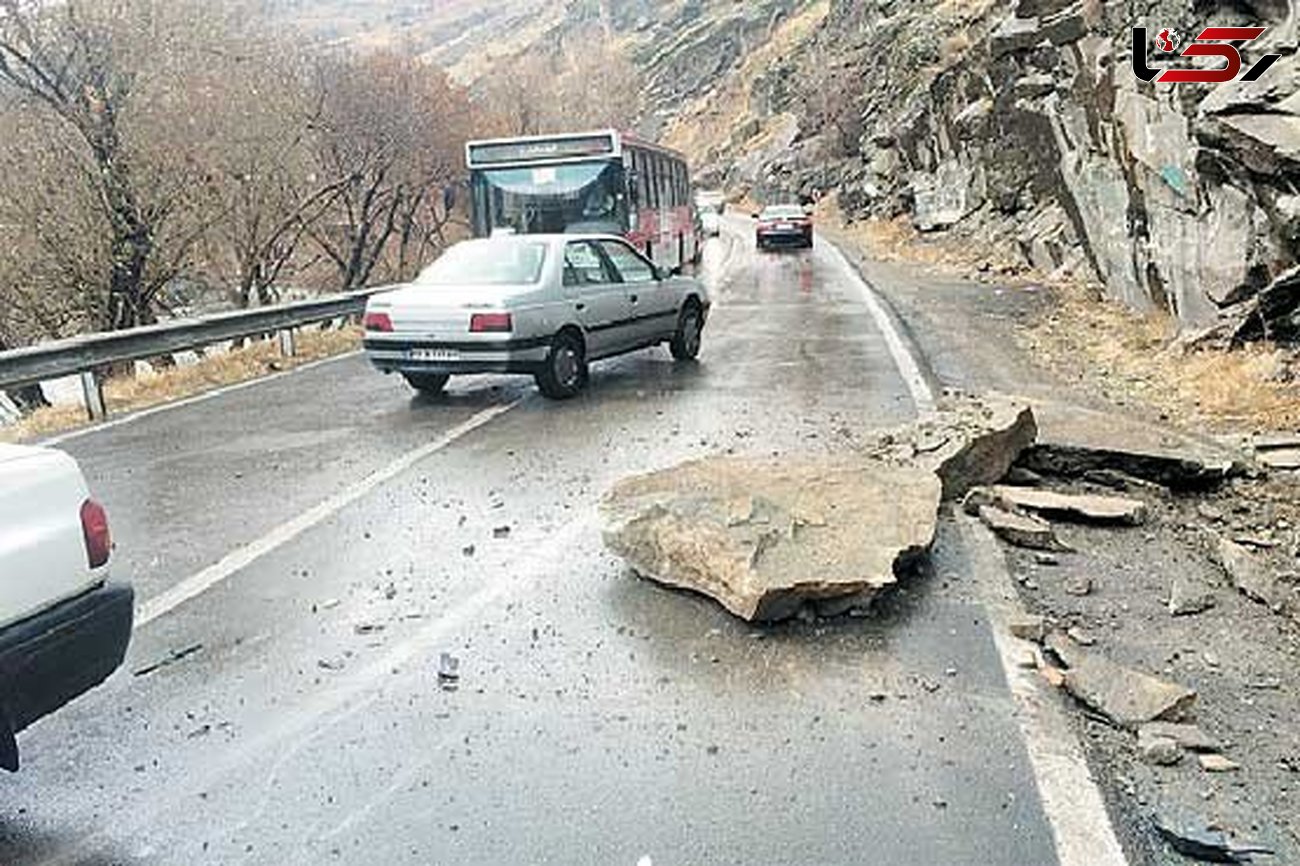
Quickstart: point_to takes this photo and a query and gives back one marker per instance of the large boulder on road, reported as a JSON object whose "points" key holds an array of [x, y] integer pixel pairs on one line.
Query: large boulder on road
{"points": [[765, 536]]}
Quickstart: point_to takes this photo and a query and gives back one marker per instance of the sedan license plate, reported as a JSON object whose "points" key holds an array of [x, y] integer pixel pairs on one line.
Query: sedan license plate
{"points": [[433, 355], [784, 227]]}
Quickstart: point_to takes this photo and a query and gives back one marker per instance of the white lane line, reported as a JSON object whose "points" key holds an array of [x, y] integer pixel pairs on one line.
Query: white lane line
{"points": [[241, 557], [1071, 800], [190, 401], [908, 366]]}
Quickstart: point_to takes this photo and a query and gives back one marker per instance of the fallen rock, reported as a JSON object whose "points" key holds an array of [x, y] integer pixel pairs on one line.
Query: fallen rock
{"points": [[1274, 313], [1187, 736], [1189, 596], [1282, 458], [1078, 586], [1020, 529], [1127, 697], [1216, 763], [1253, 578], [1086, 507], [969, 442], [1074, 442], [1030, 627], [1080, 636], [1161, 751], [764, 536], [1194, 837]]}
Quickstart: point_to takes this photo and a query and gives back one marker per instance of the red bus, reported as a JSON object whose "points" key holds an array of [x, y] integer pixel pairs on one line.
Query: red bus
{"points": [[604, 181]]}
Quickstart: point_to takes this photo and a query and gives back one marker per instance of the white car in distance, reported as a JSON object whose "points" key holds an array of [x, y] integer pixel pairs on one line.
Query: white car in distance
{"points": [[542, 305]]}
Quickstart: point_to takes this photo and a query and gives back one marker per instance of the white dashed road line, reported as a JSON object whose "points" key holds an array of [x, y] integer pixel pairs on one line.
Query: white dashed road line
{"points": [[241, 557]]}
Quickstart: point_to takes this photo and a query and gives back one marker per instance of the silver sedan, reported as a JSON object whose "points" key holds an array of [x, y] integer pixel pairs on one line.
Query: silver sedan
{"points": [[543, 305]]}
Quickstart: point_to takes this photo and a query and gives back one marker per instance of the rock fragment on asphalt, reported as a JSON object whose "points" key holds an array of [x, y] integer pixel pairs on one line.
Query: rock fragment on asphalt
{"points": [[448, 672], [1030, 627], [1213, 762], [1189, 596], [1252, 577], [1127, 697], [1080, 636], [1160, 751], [1022, 530], [1187, 736], [1078, 586], [1193, 836], [825, 530]]}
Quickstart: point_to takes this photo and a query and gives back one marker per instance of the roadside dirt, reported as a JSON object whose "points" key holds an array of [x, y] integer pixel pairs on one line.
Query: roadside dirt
{"points": [[125, 394], [982, 329]]}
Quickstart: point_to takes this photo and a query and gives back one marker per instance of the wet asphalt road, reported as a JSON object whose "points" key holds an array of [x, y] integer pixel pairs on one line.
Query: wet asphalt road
{"points": [[599, 719]]}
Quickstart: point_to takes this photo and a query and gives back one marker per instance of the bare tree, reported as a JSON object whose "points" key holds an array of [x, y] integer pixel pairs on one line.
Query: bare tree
{"points": [[89, 63], [518, 97], [391, 131], [264, 191]]}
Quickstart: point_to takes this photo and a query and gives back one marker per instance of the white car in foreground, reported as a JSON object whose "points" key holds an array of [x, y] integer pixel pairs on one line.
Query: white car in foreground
{"points": [[64, 627], [544, 305]]}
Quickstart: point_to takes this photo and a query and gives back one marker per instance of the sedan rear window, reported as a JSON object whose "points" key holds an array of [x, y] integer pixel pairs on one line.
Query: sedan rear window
{"points": [[489, 262]]}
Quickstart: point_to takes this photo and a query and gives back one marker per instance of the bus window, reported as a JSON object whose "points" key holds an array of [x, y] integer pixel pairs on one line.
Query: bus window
{"points": [[665, 183], [646, 182]]}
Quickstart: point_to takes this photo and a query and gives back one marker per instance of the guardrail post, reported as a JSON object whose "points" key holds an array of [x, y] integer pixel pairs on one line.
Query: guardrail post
{"points": [[93, 391], [288, 343]]}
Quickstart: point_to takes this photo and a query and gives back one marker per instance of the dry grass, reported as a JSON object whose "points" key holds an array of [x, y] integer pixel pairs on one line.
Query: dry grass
{"points": [[241, 365], [897, 240], [1132, 358], [1126, 357]]}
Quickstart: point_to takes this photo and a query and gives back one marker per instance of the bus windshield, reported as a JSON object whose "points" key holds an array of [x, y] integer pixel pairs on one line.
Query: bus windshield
{"points": [[551, 199]]}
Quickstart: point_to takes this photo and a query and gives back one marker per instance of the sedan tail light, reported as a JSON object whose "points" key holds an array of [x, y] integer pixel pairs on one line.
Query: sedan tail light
{"points": [[377, 322], [486, 323], [94, 527]]}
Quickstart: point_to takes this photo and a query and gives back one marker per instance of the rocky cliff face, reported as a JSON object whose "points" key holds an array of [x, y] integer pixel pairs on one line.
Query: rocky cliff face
{"points": [[1022, 125]]}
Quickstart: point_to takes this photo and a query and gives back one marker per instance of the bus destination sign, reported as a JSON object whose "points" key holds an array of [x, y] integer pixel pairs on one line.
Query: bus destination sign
{"points": [[503, 152]]}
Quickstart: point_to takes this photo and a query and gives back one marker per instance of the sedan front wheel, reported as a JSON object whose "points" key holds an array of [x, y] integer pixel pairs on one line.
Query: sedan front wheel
{"points": [[685, 345]]}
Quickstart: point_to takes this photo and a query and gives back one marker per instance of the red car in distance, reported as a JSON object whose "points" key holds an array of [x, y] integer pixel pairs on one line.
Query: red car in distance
{"points": [[783, 225]]}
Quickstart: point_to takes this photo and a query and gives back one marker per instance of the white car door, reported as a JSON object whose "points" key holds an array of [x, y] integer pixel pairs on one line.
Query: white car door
{"points": [[651, 302], [599, 299]]}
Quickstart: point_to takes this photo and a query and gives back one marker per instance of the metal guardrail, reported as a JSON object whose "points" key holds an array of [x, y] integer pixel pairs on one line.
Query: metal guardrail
{"points": [[87, 353]]}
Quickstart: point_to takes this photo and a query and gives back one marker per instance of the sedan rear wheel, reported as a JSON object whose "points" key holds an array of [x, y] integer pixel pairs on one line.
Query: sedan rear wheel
{"points": [[564, 372], [685, 345], [427, 383]]}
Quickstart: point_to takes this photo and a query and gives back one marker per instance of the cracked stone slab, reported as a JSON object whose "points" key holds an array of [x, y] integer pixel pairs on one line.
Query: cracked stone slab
{"points": [[1088, 508], [764, 536], [1128, 697]]}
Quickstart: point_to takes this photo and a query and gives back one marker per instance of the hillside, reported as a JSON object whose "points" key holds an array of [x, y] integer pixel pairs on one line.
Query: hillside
{"points": [[1013, 128], [684, 49]]}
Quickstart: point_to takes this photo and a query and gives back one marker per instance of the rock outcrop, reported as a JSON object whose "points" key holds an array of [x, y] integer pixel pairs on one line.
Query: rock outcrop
{"points": [[1021, 128]]}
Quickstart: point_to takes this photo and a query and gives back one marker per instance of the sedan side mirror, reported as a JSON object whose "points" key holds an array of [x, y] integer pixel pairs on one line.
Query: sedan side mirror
{"points": [[753, 216]]}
